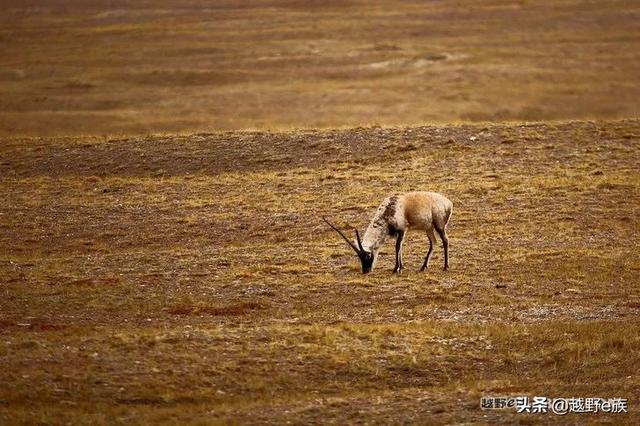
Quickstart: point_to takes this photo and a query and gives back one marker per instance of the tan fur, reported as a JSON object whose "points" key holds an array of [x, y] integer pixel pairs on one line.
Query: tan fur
{"points": [[396, 215], [424, 210]]}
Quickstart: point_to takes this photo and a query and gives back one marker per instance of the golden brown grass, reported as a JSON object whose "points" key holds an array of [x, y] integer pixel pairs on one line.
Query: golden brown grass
{"points": [[85, 67], [190, 279]]}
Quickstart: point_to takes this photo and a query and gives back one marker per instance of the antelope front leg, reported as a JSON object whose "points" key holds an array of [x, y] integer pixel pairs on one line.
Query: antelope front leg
{"points": [[432, 239], [398, 268]]}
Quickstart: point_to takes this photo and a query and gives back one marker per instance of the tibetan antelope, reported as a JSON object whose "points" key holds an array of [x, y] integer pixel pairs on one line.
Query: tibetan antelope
{"points": [[425, 211]]}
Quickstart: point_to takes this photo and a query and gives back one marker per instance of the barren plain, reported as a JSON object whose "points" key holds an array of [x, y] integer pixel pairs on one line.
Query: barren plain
{"points": [[87, 67], [191, 278], [164, 167]]}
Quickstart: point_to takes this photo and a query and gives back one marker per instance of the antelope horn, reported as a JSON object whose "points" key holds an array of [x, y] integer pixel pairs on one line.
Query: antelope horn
{"points": [[343, 236], [359, 241]]}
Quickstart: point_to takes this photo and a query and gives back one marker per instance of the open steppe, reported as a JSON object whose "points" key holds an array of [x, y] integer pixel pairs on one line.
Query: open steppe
{"points": [[87, 67], [164, 167], [190, 278]]}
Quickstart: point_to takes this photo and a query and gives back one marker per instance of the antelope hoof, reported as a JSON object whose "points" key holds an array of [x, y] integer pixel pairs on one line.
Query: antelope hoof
{"points": [[397, 271]]}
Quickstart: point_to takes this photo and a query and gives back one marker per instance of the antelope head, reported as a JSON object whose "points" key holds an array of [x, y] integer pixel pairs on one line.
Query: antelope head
{"points": [[366, 257]]}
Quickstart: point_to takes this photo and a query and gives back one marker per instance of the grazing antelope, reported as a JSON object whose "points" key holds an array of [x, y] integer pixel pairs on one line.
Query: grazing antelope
{"points": [[426, 211]]}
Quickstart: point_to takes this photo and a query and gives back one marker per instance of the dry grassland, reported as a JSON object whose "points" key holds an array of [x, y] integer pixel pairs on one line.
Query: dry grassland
{"points": [[160, 262], [145, 66], [190, 278]]}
